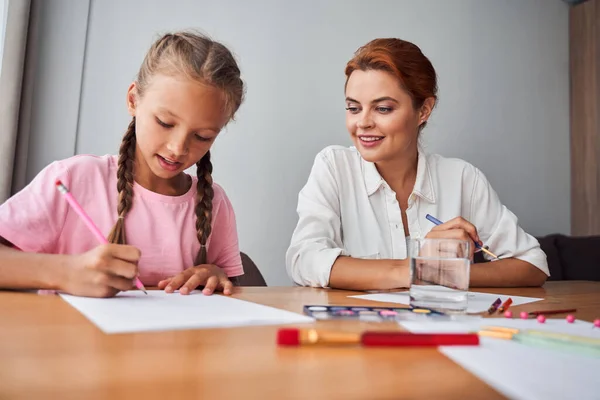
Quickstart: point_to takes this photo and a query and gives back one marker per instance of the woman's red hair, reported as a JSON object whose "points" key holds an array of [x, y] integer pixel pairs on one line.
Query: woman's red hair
{"points": [[402, 59]]}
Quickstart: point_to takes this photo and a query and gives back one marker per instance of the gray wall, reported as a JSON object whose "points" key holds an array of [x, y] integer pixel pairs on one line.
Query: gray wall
{"points": [[504, 94]]}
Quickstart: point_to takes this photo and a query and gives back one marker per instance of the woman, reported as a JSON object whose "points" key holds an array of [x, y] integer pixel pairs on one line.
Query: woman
{"points": [[361, 203]]}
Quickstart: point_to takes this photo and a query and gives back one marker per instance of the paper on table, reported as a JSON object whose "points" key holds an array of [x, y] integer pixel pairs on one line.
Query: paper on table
{"points": [[477, 302], [133, 311], [521, 371]]}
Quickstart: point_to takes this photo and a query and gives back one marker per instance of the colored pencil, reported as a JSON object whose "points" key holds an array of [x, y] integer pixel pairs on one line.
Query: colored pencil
{"points": [[550, 312], [505, 305], [438, 222], [580, 344], [89, 223], [494, 306]]}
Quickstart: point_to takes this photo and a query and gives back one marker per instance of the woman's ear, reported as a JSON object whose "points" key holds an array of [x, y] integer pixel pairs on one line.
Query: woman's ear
{"points": [[426, 109], [132, 97]]}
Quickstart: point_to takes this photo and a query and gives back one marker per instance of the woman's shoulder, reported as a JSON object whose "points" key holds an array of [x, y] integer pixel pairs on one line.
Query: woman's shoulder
{"points": [[456, 171], [336, 150], [439, 161], [444, 165], [337, 156]]}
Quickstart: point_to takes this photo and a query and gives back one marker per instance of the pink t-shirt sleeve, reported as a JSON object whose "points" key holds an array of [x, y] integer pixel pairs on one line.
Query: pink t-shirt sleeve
{"points": [[33, 219], [223, 249]]}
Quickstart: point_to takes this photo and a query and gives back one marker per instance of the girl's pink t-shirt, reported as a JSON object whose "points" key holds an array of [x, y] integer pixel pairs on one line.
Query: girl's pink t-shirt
{"points": [[39, 219]]}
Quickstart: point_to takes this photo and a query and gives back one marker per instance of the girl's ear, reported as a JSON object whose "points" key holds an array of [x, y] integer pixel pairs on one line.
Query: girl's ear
{"points": [[426, 109], [132, 98]]}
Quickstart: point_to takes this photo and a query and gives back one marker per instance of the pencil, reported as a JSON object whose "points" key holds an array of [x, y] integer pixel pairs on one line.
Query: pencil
{"points": [[438, 222], [494, 306], [89, 223], [549, 312], [580, 344], [505, 305]]}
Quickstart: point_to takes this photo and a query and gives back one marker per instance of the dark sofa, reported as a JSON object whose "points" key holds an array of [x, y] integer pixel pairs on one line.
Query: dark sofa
{"points": [[572, 257], [569, 257]]}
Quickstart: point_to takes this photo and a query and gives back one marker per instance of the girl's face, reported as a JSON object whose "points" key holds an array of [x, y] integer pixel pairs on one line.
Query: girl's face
{"points": [[177, 121], [381, 118]]}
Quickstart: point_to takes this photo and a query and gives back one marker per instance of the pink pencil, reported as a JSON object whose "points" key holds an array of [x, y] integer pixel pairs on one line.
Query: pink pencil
{"points": [[89, 223]]}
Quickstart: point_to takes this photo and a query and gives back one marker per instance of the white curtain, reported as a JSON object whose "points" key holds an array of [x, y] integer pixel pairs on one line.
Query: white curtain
{"points": [[15, 26], [3, 14]]}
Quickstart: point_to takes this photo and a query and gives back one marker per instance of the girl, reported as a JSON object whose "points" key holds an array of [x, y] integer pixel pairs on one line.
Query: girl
{"points": [[360, 203], [172, 230]]}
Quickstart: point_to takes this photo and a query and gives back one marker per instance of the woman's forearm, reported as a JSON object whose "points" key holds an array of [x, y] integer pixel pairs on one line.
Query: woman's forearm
{"points": [[360, 274], [509, 272]]}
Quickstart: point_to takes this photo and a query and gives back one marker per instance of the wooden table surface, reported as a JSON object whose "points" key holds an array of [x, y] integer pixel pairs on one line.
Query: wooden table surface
{"points": [[49, 350]]}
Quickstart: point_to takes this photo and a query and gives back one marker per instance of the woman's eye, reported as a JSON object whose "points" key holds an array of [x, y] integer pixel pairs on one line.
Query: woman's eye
{"points": [[352, 109], [384, 110]]}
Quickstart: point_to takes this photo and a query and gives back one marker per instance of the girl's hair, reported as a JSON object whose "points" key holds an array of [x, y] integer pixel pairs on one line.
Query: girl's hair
{"points": [[201, 59], [402, 59]]}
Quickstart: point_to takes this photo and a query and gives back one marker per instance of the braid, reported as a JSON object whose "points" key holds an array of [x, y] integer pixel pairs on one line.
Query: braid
{"points": [[204, 197], [124, 184]]}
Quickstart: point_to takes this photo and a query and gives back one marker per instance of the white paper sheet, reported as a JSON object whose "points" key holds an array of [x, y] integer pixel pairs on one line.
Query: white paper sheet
{"points": [[519, 371], [133, 311], [477, 302]]}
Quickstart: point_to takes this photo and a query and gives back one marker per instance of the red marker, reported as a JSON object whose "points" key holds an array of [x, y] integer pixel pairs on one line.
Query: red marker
{"points": [[505, 305], [300, 337]]}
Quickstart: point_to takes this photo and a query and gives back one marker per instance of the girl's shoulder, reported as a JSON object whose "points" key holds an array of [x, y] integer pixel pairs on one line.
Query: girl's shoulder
{"points": [[86, 163], [78, 169], [220, 199], [81, 167]]}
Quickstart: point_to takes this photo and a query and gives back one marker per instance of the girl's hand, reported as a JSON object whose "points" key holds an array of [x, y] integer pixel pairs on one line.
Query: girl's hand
{"points": [[208, 275], [102, 272]]}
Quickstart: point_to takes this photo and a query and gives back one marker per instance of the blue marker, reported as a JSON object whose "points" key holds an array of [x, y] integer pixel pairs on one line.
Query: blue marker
{"points": [[433, 219]]}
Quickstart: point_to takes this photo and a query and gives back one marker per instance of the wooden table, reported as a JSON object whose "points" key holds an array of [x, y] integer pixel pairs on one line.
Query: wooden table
{"points": [[50, 350]]}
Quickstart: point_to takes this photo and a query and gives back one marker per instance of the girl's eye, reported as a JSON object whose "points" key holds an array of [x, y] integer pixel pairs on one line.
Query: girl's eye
{"points": [[384, 110], [352, 109], [163, 124], [202, 139]]}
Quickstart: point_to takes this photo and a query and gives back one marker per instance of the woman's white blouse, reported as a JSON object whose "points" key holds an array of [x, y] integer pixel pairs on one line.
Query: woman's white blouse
{"points": [[346, 208]]}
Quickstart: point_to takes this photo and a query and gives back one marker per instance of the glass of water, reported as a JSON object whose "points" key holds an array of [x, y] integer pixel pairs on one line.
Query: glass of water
{"points": [[439, 273]]}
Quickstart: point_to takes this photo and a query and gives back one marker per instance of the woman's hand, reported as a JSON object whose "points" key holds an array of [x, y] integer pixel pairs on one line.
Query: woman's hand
{"points": [[442, 262], [210, 276], [457, 228]]}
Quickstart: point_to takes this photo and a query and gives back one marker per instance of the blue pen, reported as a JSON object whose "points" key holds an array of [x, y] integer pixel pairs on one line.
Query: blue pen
{"points": [[438, 222]]}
